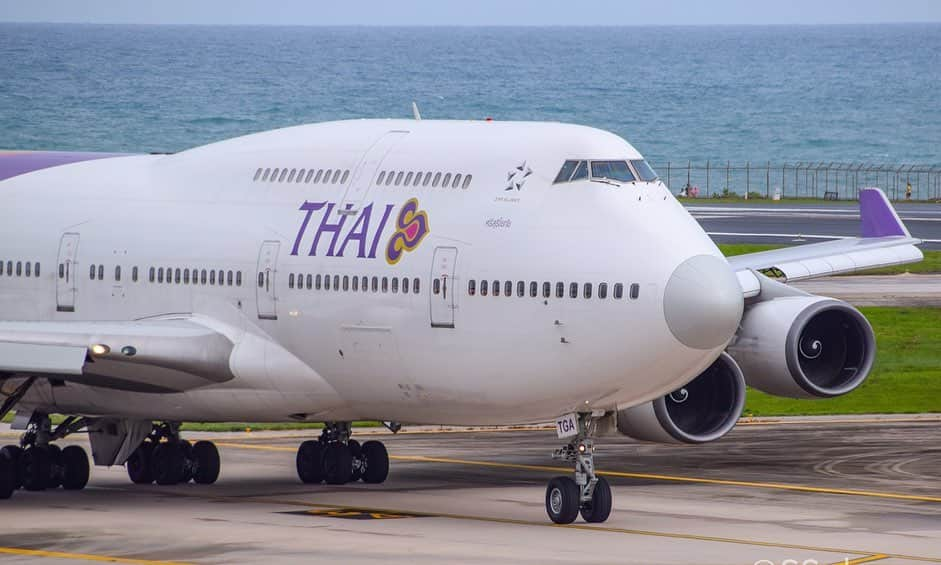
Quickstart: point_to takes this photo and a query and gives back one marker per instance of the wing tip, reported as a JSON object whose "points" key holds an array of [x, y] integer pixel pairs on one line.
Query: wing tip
{"points": [[878, 217]]}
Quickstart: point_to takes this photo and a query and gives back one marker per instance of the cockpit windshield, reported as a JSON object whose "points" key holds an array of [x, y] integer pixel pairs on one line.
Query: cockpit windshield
{"points": [[644, 170], [611, 170]]}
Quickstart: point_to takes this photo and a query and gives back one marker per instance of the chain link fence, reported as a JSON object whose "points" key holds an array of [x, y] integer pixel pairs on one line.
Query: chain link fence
{"points": [[832, 181]]}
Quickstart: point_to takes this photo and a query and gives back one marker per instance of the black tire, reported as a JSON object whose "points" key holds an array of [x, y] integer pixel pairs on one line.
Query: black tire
{"points": [[56, 467], [310, 462], [206, 463], [337, 464], [140, 464], [34, 468], [377, 462], [14, 453], [599, 508], [75, 463], [188, 462], [7, 475], [169, 463], [562, 500], [357, 451]]}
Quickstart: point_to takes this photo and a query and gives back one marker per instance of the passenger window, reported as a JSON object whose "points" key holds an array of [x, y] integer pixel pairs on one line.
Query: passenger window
{"points": [[101, 271], [375, 284], [291, 280], [319, 175], [586, 290], [274, 175], [446, 180], [151, 274], [202, 277], [390, 177], [559, 290], [238, 278], [10, 268], [496, 288], [395, 285], [472, 287], [635, 291], [382, 176], [212, 277], [346, 175], [310, 282], [355, 284], [310, 175], [261, 280], [221, 276], [457, 181], [619, 291], [415, 285], [228, 278], [117, 273], [336, 176], [336, 282], [326, 282], [265, 176], [398, 178], [134, 274], [521, 289], [508, 289], [404, 285], [300, 175], [186, 276], [573, 290], [91, 272], [365, 284], [546, 290], [417, 180], [176, 276], [160, 275], [436, 286], [385, 285], [427, 179], [483, 288], [61, 269], [257, 174], [434, 183], [408, 178], [565, 173], [602, 290], [326, 176], [317, 282], [581, 171], [346, 283], [533, 289], [291, 175], [467, 181]]}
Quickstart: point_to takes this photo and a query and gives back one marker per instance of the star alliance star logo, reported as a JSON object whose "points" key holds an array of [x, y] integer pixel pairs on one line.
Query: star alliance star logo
{"points": [[516, 178]]}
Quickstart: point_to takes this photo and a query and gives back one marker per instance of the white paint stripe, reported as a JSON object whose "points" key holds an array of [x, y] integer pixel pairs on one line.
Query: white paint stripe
{"points": [[799, 235]]}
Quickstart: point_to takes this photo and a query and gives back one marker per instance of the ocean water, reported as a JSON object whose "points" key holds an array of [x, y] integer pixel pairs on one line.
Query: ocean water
{"points": [[779, 93]]}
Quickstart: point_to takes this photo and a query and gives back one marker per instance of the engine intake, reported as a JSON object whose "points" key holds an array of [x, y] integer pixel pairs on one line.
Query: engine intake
{"points": [[804, 347], [704, 410]]}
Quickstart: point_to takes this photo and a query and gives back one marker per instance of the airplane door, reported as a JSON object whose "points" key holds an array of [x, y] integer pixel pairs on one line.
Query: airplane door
{"points": [[266, 291], [67, 272], [366, 171], [443, 287]]}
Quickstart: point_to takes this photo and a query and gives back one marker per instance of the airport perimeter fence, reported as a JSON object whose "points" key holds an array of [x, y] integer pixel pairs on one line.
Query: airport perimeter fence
{"points": [[833, 181]]}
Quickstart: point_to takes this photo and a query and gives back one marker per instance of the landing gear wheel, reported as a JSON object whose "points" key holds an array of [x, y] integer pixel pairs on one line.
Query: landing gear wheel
{"points": [[34, 468], [7, 476], [357, 450], [377, 462], [14, 453], [599, 508], [169, 463], [206, 463], [139, 464], [337, 464], [309, 462], [56, 469], [75, 464], [562, 500]]}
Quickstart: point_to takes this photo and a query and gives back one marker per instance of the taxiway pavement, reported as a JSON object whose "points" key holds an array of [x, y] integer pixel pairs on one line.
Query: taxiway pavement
{"points": [[828, 489]]}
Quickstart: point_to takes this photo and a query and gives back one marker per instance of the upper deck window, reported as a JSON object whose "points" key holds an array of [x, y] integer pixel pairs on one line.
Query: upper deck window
{"points": [[611, 170], [644, 170]]}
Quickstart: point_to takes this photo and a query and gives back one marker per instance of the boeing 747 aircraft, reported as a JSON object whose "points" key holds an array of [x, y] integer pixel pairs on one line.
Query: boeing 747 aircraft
{"points": [[439, 272]]}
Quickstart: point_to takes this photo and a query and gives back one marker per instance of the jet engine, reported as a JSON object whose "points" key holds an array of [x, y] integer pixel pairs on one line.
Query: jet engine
{"points": [[704, 410], [804, 347]]}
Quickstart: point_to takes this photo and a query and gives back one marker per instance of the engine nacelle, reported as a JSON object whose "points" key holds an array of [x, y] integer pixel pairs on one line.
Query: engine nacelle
{"points": [[703, 410], [804, 347]]}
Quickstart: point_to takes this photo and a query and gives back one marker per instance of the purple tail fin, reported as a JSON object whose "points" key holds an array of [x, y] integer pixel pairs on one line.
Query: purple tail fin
{"points": [[877, 216]]}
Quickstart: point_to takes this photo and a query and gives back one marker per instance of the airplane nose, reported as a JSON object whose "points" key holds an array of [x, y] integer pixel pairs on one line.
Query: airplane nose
{"points": [[703, 302]]}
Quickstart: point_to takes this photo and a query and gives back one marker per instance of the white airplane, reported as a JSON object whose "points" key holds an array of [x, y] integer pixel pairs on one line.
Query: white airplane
{"points": [[439, 272]]}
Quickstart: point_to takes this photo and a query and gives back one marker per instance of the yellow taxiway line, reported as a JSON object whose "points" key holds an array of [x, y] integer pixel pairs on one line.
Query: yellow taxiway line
{"points": [[80, 556], [867, 559], [619, 474]]}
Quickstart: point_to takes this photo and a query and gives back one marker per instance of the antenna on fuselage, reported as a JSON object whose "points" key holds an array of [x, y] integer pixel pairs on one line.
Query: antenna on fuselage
{"points": [[415, 111]]}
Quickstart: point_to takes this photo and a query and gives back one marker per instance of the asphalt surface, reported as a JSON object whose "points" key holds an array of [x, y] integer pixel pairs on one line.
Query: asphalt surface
{"points": [[821, 489], [868, 290], [786, 223]]}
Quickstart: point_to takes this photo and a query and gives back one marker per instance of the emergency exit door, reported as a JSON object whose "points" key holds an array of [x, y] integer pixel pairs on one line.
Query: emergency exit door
{"points": [[266, 291], [443, 287], [366, 171], [67, 271]]}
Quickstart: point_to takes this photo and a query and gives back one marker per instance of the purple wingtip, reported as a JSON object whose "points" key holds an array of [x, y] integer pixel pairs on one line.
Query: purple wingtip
{"points": [[877, 216]]}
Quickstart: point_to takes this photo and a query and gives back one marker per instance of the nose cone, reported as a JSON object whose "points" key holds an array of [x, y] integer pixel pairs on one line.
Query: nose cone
{"points": [[703, 302]]}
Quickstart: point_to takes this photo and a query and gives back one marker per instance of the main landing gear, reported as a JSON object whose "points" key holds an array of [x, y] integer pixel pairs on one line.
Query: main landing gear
{"points": [[588, 494], [38, 464], [336, 459], [167, 459]]}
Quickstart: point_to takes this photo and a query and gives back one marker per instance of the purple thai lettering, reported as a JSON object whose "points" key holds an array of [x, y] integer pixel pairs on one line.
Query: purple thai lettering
{"points": [[327, 227], [310, 208], [382, 225], [358, 233]]}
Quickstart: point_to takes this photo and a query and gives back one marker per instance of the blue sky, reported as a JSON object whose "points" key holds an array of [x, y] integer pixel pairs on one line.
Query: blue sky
{"points": [[473, 12]]}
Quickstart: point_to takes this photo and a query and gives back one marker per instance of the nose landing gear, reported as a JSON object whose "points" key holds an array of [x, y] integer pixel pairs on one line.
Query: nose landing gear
{"points": [[587, 494]]}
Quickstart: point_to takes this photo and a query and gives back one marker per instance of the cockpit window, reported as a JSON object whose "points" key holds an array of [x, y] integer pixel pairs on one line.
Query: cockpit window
{"points": [[611, 170], [581, 172], [644, 171], [566, 173]]}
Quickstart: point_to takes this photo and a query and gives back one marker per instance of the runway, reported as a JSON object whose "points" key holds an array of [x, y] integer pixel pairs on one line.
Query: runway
{"points": [[802, 223], [827, 489]]}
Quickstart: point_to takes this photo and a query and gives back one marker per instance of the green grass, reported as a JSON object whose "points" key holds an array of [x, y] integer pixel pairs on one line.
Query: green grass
{"points": [[930, 265], [737, 199], [906, 377]]}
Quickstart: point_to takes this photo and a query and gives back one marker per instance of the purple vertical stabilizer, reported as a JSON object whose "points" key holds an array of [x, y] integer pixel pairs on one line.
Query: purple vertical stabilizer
{"points": [[13, 163], [877, 217]]}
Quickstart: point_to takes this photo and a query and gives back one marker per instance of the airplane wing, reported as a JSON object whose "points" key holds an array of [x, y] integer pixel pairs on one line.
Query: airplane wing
{"points": [[160, 355], [884, 241]]}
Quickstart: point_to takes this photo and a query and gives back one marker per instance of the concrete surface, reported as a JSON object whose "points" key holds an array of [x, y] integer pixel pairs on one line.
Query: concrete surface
{"points": [[868, 290], [825, 489]]}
